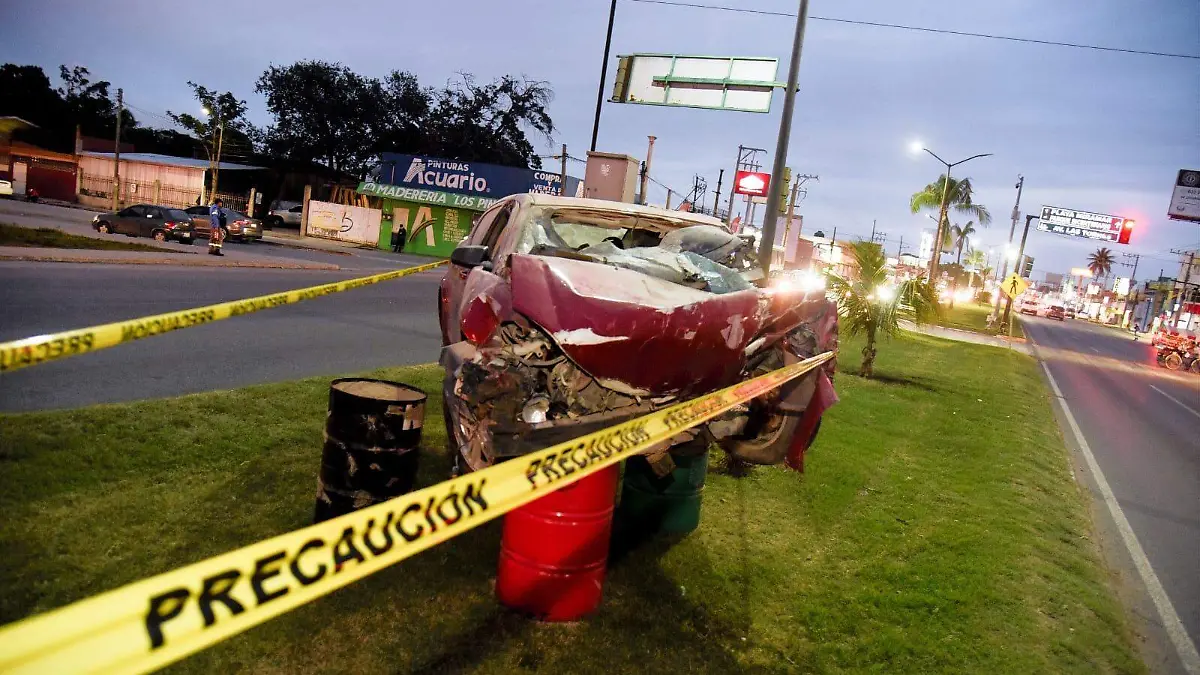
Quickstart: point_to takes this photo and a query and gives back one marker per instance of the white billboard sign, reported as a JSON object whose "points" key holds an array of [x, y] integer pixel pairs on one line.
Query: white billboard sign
{"points": [[1185, 199], [716, 82], [344, 223]]}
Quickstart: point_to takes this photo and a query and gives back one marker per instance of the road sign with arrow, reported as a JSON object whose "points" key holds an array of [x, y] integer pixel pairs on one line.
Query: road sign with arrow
{"points": [[1013, 285]]}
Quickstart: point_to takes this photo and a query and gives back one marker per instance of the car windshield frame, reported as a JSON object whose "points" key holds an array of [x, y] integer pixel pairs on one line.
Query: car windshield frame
{"points": [[174, 214]]}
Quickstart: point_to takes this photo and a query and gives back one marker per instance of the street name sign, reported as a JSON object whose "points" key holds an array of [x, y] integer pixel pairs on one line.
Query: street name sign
{"points": [[1085, 224], [1013, 285], [716, 82]]}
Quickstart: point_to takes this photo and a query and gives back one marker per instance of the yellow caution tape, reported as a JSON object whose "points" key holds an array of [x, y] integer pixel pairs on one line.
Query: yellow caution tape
{"points": [[156, 621], [42, 348]]}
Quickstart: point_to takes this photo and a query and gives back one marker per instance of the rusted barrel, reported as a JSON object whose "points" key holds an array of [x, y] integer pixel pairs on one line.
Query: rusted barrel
{"points": [[554, 551], [370, 455]]}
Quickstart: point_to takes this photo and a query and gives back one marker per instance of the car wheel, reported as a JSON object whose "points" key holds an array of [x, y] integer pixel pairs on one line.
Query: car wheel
{"points": [[1195, 367], [186, 241], [1172, 361], [104, 228], [159, 235]]}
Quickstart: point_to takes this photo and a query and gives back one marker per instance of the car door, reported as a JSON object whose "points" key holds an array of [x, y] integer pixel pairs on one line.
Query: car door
{"points": [[485, 233], [152, 219], [198, 215], [131, 220]]}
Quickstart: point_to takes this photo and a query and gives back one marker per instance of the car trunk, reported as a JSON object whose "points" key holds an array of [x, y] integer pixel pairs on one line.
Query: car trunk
{"points": [[633, 332]]}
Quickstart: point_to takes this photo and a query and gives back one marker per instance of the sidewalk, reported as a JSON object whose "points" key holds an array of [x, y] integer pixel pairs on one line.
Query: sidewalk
{"points": [[1016, 344], [289, 238], [185, 258]]}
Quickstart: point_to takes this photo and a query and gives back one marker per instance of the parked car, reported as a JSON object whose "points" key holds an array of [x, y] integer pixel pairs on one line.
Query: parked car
{"points": [[1069, 311], [238, 226], [147, 220], [561, 316], [1056, 312], [1028, 306], [6, 189], [282, 215]]}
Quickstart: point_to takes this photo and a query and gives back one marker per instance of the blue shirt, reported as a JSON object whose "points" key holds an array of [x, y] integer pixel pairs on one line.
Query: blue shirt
{"points": [[214, 215]]}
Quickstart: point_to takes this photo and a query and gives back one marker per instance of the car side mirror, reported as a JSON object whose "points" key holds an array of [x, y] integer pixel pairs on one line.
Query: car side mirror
{"points": [[469, 256]]}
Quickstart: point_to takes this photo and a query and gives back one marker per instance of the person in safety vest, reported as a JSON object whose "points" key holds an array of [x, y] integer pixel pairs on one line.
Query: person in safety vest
{"points": [[216, 232]]}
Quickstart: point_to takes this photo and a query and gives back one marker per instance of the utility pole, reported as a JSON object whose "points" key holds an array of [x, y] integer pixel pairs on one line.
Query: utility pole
{"points": [[1020, 257], [1132, 283], [1187, 276], [766, 246], [562, 175], [717, 194], [1016, 215], [612, 14], [900, 250], [117, 153], [787, 226], [646, 172]]}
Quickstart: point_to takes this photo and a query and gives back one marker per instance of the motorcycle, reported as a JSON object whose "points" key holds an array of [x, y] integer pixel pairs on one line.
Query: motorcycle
{"points": [[1179, 356]]}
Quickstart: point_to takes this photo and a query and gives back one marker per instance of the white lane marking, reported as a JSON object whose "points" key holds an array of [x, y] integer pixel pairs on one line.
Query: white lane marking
{"points": [[1094, 349], [1181, 404], [1184, 647]]}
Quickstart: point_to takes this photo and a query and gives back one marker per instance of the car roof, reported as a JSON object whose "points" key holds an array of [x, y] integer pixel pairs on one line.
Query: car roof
{"points": [[683, 217]]}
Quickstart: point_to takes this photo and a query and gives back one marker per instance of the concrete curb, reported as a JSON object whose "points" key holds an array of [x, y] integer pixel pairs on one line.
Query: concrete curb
{"points": [[186, 262]]}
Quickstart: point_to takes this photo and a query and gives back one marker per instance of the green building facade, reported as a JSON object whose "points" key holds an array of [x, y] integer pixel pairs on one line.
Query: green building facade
{"points": [[435, 221]]}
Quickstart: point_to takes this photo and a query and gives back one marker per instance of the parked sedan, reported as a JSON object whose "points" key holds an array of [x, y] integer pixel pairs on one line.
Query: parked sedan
{"points": [[238, 226], [147, 220], [282, 215]]}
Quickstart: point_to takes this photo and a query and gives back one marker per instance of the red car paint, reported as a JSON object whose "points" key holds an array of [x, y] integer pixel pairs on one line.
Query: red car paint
{"points": [[649, 334]]}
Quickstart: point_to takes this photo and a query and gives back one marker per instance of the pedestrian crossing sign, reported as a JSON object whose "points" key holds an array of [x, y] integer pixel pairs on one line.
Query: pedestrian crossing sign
{"points": [[1013, 285]]}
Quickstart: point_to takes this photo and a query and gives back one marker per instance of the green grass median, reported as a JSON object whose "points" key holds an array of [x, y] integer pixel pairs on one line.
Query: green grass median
{"points": [[937, 530], [970, 316], [48, 237]]}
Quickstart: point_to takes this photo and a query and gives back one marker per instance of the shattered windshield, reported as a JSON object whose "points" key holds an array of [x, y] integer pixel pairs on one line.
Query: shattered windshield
{"points": [[632, 241]]}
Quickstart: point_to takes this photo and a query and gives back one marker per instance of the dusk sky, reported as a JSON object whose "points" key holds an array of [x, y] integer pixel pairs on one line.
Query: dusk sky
{"points": [[1089, 130]]}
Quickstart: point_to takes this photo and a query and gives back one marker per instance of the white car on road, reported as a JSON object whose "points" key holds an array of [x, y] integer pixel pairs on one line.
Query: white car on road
{"points": [[6, 188]]}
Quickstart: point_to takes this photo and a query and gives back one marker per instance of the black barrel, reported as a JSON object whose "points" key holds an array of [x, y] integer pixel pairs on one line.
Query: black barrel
{"points": [[372, 432]]}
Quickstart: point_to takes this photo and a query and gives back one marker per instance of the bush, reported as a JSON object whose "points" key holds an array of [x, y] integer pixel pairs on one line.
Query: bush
{"points": [[984, 297]]}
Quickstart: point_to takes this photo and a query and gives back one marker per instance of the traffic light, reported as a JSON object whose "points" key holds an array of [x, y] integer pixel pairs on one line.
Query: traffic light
{"points": [[782, 184], [1126, 231], [1027, 266]]}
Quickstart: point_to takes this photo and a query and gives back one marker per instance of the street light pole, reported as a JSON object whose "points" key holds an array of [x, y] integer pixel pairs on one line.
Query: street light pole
{"points": [[612, 14], [935, 262], [766, 248], [1012, 229]]}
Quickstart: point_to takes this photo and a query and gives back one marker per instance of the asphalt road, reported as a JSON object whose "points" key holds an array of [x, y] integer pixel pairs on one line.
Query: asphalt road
{"points": [[386, 324], [1142, 424], [78, 221]]}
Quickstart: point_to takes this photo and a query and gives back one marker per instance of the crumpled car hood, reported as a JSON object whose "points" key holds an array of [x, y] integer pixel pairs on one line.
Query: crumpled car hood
{"points": [[634, 332]]}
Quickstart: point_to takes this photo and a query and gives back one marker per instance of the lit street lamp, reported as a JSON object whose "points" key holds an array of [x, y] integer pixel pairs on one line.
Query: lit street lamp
{"points": [[916, 147]]}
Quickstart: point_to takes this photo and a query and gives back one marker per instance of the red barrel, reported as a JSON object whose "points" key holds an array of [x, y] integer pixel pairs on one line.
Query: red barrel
{"points": [[554, 550]]}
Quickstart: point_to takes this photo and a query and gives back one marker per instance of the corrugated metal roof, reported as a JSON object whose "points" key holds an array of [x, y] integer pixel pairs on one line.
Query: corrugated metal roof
{"points": [[168, 160]]}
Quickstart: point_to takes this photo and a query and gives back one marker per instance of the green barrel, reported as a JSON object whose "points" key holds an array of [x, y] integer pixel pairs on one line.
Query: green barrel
{"points": [[668, 504]]}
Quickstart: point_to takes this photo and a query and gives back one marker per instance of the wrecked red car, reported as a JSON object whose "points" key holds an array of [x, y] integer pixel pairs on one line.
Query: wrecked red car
{"points": [[563, 316]]}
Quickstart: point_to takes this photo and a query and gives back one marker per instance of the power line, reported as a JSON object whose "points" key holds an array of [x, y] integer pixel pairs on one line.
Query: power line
{"points": [[922, 29]]}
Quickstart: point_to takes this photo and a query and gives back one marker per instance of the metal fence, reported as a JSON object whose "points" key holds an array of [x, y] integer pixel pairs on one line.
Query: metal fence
{"points": [[132, 192], [236, 202]]}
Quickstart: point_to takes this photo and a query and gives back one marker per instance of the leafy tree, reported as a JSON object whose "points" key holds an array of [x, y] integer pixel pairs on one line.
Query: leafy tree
{"points": [[326, 113], [90, 104], [223, 122], [1100, 262], [976, 262], [869, 304], [485, 123]]}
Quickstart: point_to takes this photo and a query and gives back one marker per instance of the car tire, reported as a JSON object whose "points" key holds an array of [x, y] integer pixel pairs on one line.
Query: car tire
{"points": [[159, 235], [1172, 361], [186, 241], [104, 228]]}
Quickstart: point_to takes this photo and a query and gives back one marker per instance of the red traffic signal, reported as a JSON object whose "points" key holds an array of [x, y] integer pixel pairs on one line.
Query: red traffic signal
{"points": [[1126, 231]]}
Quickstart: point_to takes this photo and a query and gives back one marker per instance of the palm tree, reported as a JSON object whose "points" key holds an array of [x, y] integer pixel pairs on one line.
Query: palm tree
{"points": [[976, 260], [868, 303], [1100, 262], [962, 237], [959, 198]]}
